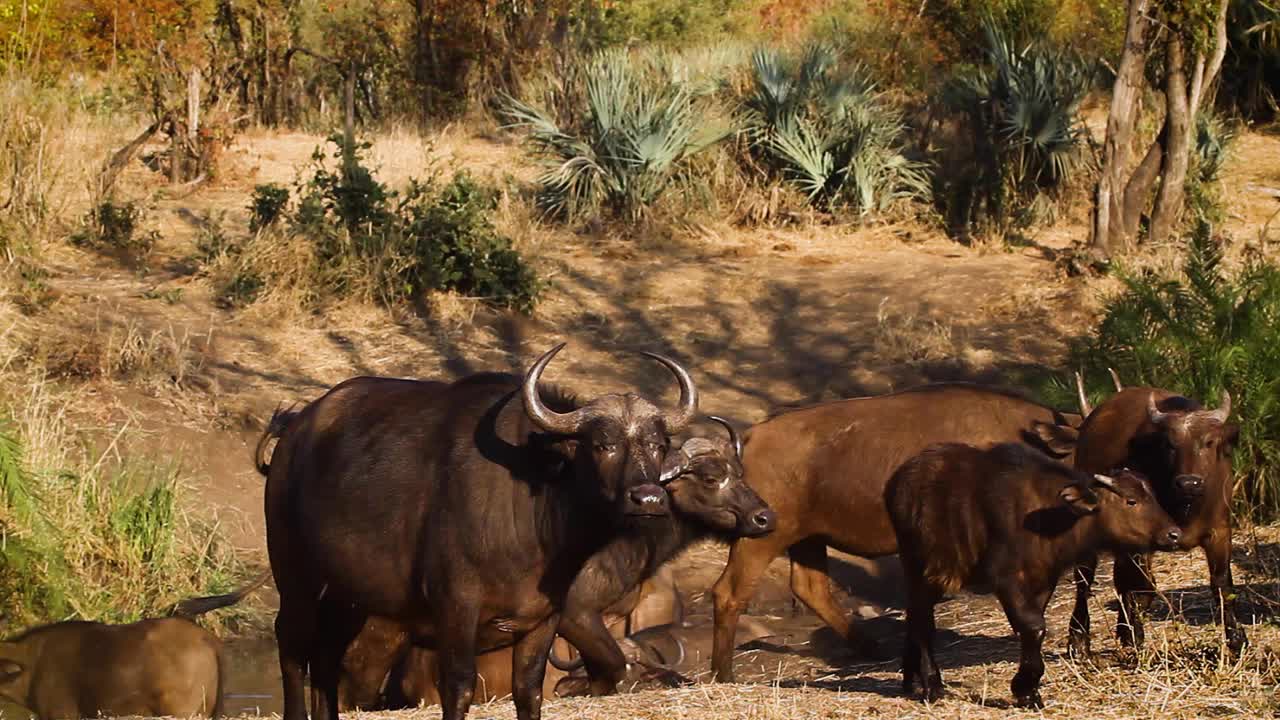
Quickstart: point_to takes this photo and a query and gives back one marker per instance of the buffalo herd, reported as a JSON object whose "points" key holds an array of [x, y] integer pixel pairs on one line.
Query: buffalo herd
{"points": [[448, 542]]}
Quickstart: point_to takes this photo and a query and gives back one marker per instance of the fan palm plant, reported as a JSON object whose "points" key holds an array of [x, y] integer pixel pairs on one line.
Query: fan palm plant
{"points": [[636, 123], [1022, 109], [823, 127]]}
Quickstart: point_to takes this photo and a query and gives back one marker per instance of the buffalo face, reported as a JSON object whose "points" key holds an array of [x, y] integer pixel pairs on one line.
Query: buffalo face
{"points": [[621, 440], [1194, 447], [1128, 513], [14, 679], [704, 479]]}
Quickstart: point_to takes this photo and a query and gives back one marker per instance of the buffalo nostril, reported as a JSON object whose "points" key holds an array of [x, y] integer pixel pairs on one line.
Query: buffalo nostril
{"points": [[648, 498], [763, 519], [1174, 536]]}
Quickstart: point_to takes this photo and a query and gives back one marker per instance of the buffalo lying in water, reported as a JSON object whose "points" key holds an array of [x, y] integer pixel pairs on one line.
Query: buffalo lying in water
{"points": [[462, 511]]}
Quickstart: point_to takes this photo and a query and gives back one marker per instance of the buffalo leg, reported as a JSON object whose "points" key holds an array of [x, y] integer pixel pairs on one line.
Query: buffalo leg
{"points": [[748, 559], [811, 582], [339, 626], [1134, 585], [456, 653], [1217, 551], [1026, 616], [295, 626], [529, 668], [584, 628], [918, 662], [1079, 641]]}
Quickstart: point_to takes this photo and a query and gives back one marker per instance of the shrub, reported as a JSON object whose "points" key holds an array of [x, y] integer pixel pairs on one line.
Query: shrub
{"points": [[116, 227], [630, 125], [821, 126], [1199, 332], [1213, 139], [269, 203], [1021, 110], [364, 239]]}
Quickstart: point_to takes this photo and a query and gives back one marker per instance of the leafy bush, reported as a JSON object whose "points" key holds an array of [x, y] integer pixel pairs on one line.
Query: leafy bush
{"points": [[820, 126], [116, 227], [1213, 139], [268, 204], [364, 239], [1250, 74], [1021, 110], [624, 129], [1199, 332]]}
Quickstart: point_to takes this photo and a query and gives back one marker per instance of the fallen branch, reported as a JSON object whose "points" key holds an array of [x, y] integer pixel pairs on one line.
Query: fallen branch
{"points": [[111, 170]]}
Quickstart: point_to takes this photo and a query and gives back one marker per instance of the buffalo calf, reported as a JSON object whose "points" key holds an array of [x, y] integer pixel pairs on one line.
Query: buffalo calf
{"points": [[1010, 520]]}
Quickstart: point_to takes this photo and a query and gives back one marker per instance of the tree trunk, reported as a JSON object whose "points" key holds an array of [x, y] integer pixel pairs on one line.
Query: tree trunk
{"points": [[1137, 193], [1109, 224], [1168, 208]]}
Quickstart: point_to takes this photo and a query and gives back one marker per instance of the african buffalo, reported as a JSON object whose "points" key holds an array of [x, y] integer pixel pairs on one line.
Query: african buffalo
{"points": [[709, 499], [462, 511], [823, 469], [1011, 521], [157, 667], [1186, 452]]}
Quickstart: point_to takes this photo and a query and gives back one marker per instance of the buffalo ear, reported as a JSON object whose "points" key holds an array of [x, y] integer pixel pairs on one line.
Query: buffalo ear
{"points": [[1056, 440], [673, 465], [10, 670], [1230, 434], [1080, 499]]}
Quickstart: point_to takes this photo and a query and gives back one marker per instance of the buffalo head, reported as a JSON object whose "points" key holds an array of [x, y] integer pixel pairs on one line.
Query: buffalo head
{"points": [[1128, 514], [15, 681], [620, 440], [1193, 445], [704, 479]]}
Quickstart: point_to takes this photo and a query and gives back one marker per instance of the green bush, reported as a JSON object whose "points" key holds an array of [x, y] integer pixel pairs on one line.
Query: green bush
{"points": [[820, 126], [1200, 332], [1021, 108], [268, 205], [116, 226], [1213, 139], [625, 126], [364, 239]]}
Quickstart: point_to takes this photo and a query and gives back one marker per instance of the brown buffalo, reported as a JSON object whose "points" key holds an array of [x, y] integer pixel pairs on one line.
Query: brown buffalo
{"points": [[823, 469], [1186, 452], [158, 667], [462, 511], [1011, 521]]}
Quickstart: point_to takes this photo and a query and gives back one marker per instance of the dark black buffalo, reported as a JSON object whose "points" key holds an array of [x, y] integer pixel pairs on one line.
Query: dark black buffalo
{"points": [[709, 499], [462, 511]]}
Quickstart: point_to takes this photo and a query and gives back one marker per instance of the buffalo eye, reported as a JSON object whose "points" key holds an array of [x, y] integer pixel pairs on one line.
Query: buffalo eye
{"points": [[1130, 502], [655, 446]]}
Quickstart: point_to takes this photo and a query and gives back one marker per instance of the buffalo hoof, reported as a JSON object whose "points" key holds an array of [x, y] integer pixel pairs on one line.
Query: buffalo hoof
{"points": [[1078, 648], [573, 686], [1236, 641], [933, 693], [1130, 636], [669, 678], [1030, 700]]}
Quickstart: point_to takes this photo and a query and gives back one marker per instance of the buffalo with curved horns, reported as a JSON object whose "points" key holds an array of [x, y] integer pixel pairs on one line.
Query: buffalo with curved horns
{"points": [[462, 511]]}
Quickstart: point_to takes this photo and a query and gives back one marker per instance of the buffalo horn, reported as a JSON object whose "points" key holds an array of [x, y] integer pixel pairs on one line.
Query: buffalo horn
{"points": [[733, 435], [1115, 379], [1153, 412], [1106, 482], [688, 396], [1085, 407], [564, 665], [547, 419], [1224, 408]]}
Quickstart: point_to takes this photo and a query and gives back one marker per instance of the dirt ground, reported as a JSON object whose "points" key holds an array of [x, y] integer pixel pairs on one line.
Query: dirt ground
{"points": [[763, 317]]}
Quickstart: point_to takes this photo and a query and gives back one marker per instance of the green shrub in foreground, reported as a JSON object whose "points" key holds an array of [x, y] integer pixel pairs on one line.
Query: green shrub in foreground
{"points": [[1197, 333]]}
